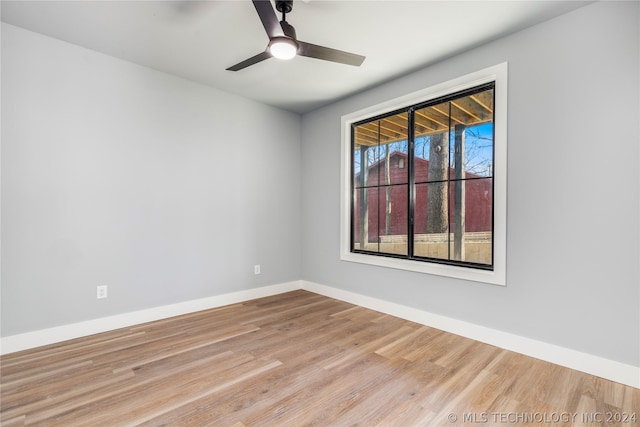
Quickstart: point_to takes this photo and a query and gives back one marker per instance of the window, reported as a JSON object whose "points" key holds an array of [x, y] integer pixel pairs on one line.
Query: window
{"points": [[424, 180]]}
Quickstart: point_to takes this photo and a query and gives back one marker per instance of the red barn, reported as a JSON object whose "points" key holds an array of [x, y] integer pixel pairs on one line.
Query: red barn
{"points": [[478, 199]]}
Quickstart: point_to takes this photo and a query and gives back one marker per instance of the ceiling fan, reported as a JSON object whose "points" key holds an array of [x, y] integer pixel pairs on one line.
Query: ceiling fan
{"points": [[283, 43]]}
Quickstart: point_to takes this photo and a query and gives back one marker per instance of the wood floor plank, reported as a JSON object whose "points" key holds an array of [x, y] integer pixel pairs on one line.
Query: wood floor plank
{"points": [[290, 360], [89, 407], [53, 355]]}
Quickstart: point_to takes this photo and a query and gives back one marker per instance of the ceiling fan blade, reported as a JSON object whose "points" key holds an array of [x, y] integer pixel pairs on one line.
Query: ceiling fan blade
{"points": [[328, 54], [268, 17], [251, 61]]}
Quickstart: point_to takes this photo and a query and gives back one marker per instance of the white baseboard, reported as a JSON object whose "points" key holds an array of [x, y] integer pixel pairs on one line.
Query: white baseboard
{"points": [[42, 337], [595, 365], [584, 362]]}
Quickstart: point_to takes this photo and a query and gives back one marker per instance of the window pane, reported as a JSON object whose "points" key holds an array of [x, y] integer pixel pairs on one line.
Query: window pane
{"points": [[394, 163], [356, 161], [431, 148], [392, 213], [366, 134], [472, 126], [431, 225], [394, 149], [366, 152], [375, 165], [472, 148], [365, 215], [472, 221], [450, 230], [362, 154], [356, 230], [384, 144], [381, 163]]}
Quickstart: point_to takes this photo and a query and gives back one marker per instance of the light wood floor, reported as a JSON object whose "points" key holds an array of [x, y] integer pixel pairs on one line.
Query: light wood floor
{"points": [[298, 359]]}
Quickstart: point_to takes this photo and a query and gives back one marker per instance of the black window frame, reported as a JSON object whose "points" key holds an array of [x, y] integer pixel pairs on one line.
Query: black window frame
{"points": [[410, 165]]}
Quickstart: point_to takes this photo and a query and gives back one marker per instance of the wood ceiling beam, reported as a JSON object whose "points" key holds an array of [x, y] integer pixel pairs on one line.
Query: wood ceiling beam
{"points": [[484, 100], [469, 111]]}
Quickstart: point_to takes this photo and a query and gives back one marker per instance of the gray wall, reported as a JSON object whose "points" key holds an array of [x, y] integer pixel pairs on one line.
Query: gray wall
{"points": [[114, 174], [573, 188]]}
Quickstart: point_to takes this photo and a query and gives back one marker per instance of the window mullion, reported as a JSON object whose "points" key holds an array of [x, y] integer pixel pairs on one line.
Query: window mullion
{"points": [[448, 178], [411, 199], [377, 159]]}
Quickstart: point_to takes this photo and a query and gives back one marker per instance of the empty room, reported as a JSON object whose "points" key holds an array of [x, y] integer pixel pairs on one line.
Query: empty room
{"points": [[318, 212]]}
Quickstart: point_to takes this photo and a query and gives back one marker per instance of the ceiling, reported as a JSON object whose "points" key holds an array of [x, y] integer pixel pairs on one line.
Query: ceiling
{"points": [[198, 40]]}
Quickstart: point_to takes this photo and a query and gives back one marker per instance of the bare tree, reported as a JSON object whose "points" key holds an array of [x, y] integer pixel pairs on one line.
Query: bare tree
{"points": [[437, 212], [364, 204], [387, 181], [476, 159]]}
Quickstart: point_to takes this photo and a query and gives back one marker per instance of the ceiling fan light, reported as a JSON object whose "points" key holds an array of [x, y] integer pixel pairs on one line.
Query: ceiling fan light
{"points": [[283, 48]]}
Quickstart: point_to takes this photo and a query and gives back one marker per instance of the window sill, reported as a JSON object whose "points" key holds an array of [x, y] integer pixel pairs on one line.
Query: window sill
{"points": [[495, 277]]}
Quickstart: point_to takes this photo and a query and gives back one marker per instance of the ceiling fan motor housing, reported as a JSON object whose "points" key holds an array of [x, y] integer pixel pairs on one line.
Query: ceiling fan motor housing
{"points": [[284, 6]]}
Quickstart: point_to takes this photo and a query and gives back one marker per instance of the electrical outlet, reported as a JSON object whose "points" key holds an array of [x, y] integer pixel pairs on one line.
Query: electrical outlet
{"points": [[256, 269], [101, 292]]}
